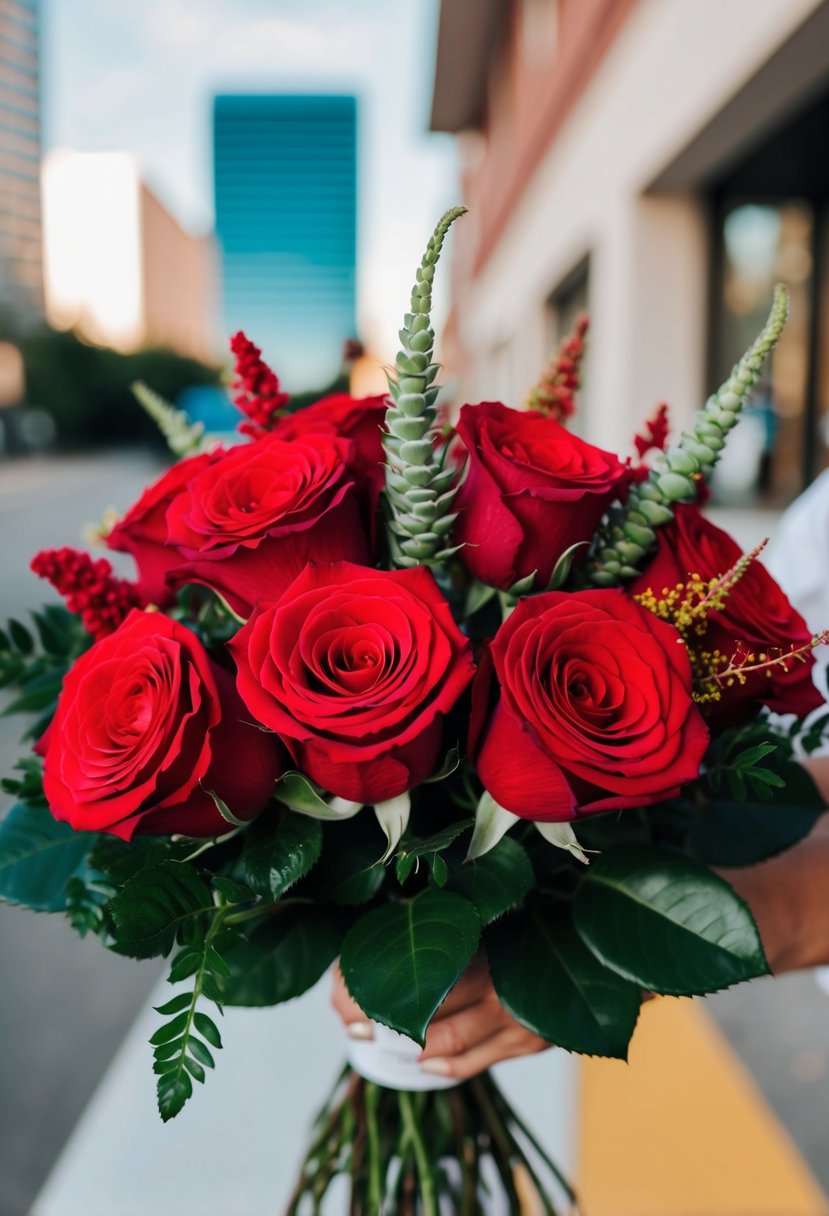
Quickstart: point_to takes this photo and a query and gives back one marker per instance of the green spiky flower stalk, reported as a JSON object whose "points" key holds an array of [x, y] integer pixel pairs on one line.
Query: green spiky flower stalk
{"points": [[184, 437], [419, 490], [629, 534]]}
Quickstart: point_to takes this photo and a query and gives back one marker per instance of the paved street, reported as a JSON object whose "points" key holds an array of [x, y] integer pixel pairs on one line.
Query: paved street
{"points": [[66, 1004]]}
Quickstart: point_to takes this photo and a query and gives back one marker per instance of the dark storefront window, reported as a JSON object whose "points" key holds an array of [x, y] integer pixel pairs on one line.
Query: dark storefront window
{"points": [[770, 219]]}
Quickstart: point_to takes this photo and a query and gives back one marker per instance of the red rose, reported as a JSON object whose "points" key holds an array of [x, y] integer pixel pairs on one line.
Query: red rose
{"points": [[532, 490], [360, 419], [145, 725], [756, 616], [595, 711], [247, 523], [143, 530], [354, 669]]}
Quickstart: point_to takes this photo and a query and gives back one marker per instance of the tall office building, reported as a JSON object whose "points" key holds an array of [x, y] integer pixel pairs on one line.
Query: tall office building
{"points": [[285, 182], [21, 288]]}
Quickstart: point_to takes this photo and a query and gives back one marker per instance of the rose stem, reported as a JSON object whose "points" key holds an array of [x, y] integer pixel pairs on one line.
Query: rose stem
{"points": [[499, 1142], [424, 1166], [512, 1116], [375, 1181]]}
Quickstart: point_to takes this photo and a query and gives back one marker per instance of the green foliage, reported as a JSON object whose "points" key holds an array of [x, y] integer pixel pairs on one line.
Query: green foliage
{"points": [[180, 1045], [554, 985], [283, 956], [744, 830], [155, 905], [400, 960], [36, 662], [39, 857], [666, 922], [349, 871], [496, 882], [413, 850], [86, 389], [28, 787], [279, 849]]}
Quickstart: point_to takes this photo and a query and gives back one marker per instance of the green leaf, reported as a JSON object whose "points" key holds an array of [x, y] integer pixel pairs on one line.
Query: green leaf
{"points": [[39, 857], [171, 1030], [300, 795], [233, 892], [551, 983], [185, 964], [165, 1051], [666, 922], [279, 850], [283, 957], [196, 1071], [349, 871], [225, 811], [21, 636], [154, 905], [182, 1001], [730, 833], [208, 1029], [199, 1052], [400, 960], [497, 881], [173, 1090]]}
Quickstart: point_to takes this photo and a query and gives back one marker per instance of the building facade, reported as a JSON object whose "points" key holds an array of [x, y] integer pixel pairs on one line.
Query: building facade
{"points": [[661, 164], [21, 285], [118, 266], [286, 221]]}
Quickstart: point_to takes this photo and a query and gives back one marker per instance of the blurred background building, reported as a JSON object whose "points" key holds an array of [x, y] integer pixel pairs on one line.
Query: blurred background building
{"points": [[286, 221], [21, 290], [118, 267], [661, 164]]}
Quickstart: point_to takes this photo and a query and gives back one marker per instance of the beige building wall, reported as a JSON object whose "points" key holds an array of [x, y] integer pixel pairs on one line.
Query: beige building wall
{"points": [[179, 276], [118, 267], [661, 93]]}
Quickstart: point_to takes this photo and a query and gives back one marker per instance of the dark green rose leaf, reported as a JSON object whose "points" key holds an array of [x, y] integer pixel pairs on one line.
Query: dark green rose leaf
{"points": [[551, 983], [497, 881], [666, 922], [282, 957], [279, 850], [727, 833], [39, 857], [400, 960], [154, 905]]}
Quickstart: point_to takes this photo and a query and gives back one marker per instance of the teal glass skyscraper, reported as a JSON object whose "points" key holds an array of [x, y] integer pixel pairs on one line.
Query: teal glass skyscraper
{"points": [[285, 169]]}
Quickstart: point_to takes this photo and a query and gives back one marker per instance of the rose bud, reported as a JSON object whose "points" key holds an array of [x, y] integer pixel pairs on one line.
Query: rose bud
{"points": [[532, 490], [146, 725], [355, 669]]}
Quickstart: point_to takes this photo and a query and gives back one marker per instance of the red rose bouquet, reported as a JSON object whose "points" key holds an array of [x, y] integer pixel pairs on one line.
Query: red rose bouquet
{"points": [[403, 695]]}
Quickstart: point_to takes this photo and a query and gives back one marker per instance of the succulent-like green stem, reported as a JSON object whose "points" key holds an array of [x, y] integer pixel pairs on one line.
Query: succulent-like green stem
{"points": [[419, 491], [625, 539]]}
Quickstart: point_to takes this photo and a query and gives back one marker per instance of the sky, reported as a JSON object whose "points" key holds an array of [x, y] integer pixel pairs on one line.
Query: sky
{"points": [[138, 75]]}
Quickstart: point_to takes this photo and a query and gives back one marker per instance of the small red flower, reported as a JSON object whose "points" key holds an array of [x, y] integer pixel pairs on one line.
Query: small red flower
{"points": [[89, 587], [257, 392]]}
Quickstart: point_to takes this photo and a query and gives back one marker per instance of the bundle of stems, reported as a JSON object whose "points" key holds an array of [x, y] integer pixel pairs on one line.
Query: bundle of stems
{"points": [[461, 1151]]}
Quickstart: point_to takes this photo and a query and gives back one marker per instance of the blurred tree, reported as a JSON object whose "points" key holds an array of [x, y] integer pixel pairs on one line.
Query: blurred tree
{"points": [[86, 389]]}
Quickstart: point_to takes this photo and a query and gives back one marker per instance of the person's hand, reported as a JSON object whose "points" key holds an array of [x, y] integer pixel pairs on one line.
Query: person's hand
{"points": [[470, 1032]]}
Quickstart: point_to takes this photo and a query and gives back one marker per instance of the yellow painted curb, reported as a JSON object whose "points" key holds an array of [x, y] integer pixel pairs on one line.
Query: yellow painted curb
{"points": [[683, 1131]]}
